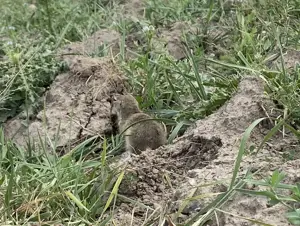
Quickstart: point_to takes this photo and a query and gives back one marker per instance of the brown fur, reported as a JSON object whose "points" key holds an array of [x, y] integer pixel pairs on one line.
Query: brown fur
{"points": [[146, 134]]}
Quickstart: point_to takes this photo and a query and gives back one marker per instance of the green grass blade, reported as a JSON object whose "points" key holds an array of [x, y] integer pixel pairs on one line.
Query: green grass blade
{"points": [[242, 150], [76, 200], [175, 131], [270, 134], [11, 182], [114, 192]]}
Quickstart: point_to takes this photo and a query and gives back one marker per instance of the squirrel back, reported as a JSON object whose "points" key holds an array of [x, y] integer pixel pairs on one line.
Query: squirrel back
{"points": [[143, 131]]}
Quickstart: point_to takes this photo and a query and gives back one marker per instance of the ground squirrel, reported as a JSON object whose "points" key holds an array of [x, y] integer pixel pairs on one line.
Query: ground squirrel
{"points": [[145, 134]]}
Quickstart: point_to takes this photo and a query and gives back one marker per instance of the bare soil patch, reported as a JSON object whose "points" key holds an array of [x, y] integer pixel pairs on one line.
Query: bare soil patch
{"points": [[77, 103], [163, 178], [290, 58]]}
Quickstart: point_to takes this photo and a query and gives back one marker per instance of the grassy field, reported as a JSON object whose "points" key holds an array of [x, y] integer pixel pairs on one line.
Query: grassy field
{"points": [[36, 186]]}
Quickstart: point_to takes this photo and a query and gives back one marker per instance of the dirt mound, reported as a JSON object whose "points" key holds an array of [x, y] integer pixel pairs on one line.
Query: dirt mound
{"points": [[290, 58], [133, 8], [77, 102], [102, 42], [172, 39], [206, 154]]}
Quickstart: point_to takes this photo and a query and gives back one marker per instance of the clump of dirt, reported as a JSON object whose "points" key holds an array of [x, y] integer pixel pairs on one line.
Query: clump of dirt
{"points": [[290, 58], [77, 103], [194, 153], [133, 8], [206, 154], [171, 39], [102, 42]]}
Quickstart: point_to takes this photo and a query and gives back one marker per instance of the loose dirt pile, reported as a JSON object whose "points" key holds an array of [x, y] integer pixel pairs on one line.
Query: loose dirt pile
{"points": [[206, 154]]}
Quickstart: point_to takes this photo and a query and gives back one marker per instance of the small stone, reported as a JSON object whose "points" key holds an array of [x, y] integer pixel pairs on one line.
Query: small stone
{"points": [[155, 171], [193, 206]]}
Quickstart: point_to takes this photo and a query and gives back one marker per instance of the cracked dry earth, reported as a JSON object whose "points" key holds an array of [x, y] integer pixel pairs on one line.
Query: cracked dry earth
{"points": [[77, 104]]}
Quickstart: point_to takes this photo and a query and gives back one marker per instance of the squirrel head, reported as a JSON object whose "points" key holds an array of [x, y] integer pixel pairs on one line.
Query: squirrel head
{"points": [[124, 106]]}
